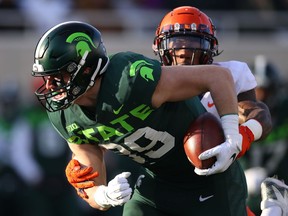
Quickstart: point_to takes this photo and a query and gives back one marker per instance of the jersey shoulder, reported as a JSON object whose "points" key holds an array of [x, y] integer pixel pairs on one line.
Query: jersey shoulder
{"points": [[133, 73], [131, 66], [235, 66], [131, 57], [241, 73]]}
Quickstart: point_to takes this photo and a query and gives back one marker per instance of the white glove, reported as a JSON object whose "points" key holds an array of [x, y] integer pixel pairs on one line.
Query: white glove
{"points": [[227, 152], [116, 193]]}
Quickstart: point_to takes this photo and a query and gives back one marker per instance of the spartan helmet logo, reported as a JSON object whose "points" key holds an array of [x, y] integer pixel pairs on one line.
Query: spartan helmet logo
{"points": [[83, 41]]}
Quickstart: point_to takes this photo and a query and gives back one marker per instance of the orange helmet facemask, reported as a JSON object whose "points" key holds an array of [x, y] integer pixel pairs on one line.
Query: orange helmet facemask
{"points": [[186, 33]]}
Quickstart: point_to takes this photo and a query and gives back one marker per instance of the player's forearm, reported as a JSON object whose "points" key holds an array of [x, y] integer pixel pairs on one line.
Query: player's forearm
{"points": [[90, 156], [91, 199], [258, 111], [181, 83], [223, 93], [264, 117]]}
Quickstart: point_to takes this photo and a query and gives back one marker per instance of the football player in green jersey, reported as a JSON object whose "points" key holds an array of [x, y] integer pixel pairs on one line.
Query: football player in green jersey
{"points": [[131, 105]]}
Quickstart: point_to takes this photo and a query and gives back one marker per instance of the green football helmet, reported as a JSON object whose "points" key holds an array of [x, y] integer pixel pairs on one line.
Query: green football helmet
{"points": [[71, 47]]}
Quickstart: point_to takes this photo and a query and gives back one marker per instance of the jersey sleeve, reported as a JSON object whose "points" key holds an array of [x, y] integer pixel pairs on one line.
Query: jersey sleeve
{"points": [[243, 78]]}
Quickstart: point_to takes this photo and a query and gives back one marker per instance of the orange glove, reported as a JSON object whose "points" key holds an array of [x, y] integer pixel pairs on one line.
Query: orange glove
{"points": [[80, 178], [248, 138]]}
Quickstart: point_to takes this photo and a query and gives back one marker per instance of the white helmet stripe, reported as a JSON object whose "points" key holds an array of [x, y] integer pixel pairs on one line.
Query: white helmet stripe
{"points": [[92, 81], [37, 52]]}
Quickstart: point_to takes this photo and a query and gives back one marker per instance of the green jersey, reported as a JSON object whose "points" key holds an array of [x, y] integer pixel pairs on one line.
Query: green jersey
{"points": [[125, 122]]}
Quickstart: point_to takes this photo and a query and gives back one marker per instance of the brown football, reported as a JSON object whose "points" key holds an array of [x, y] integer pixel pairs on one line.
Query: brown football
{"points": [[204, 133]]}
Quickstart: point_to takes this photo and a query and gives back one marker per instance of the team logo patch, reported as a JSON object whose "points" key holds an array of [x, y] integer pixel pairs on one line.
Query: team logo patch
{"points": [[83, 42], [143, 68]]}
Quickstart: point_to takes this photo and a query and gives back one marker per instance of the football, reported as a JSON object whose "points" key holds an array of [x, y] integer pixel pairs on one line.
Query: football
{"points": [[204, 133]]}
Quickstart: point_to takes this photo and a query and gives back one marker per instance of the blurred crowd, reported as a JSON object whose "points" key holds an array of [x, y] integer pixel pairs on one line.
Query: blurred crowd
{"points": [[270, 156], [43, 13], [32, 160], [33, 156], [154, 4]]}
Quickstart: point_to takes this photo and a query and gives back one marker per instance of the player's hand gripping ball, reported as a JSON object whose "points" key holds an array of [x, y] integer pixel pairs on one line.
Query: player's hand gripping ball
{"points": [[204, 133]]}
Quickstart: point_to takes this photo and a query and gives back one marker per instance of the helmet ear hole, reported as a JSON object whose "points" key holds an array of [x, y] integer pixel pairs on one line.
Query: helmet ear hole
{"points": [[72, 67]]}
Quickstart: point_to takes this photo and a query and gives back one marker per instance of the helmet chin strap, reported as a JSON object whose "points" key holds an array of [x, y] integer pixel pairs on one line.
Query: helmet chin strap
{"points": [[92, 81], [96, 72], [81, 63]]}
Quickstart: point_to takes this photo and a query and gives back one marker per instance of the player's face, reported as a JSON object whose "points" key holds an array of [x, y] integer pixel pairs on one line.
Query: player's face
{"points": [[57, 84], [186, 49]]}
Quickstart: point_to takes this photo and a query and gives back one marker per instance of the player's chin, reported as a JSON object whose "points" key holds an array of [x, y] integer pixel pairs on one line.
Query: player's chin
{"points": [[185, 62]]}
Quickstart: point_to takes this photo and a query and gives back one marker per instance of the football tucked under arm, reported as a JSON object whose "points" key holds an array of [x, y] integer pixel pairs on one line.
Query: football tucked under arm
{"points": [[204, 133]]}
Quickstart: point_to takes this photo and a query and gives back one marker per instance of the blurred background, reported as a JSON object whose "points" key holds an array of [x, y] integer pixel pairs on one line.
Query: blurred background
{"points": [[244, 29], [32, 166]]}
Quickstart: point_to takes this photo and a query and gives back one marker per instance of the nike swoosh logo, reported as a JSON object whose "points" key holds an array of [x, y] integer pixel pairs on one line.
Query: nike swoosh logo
{"points": [[210, 104], [233, 156], [116, 112], [202, 199]]}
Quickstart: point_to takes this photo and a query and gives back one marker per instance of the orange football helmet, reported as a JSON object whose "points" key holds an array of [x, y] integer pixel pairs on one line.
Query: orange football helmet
{"points": [[190, 30]]}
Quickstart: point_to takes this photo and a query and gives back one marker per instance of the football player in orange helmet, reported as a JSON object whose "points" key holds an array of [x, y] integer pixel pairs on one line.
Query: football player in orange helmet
{"points": [[187, 36]]}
